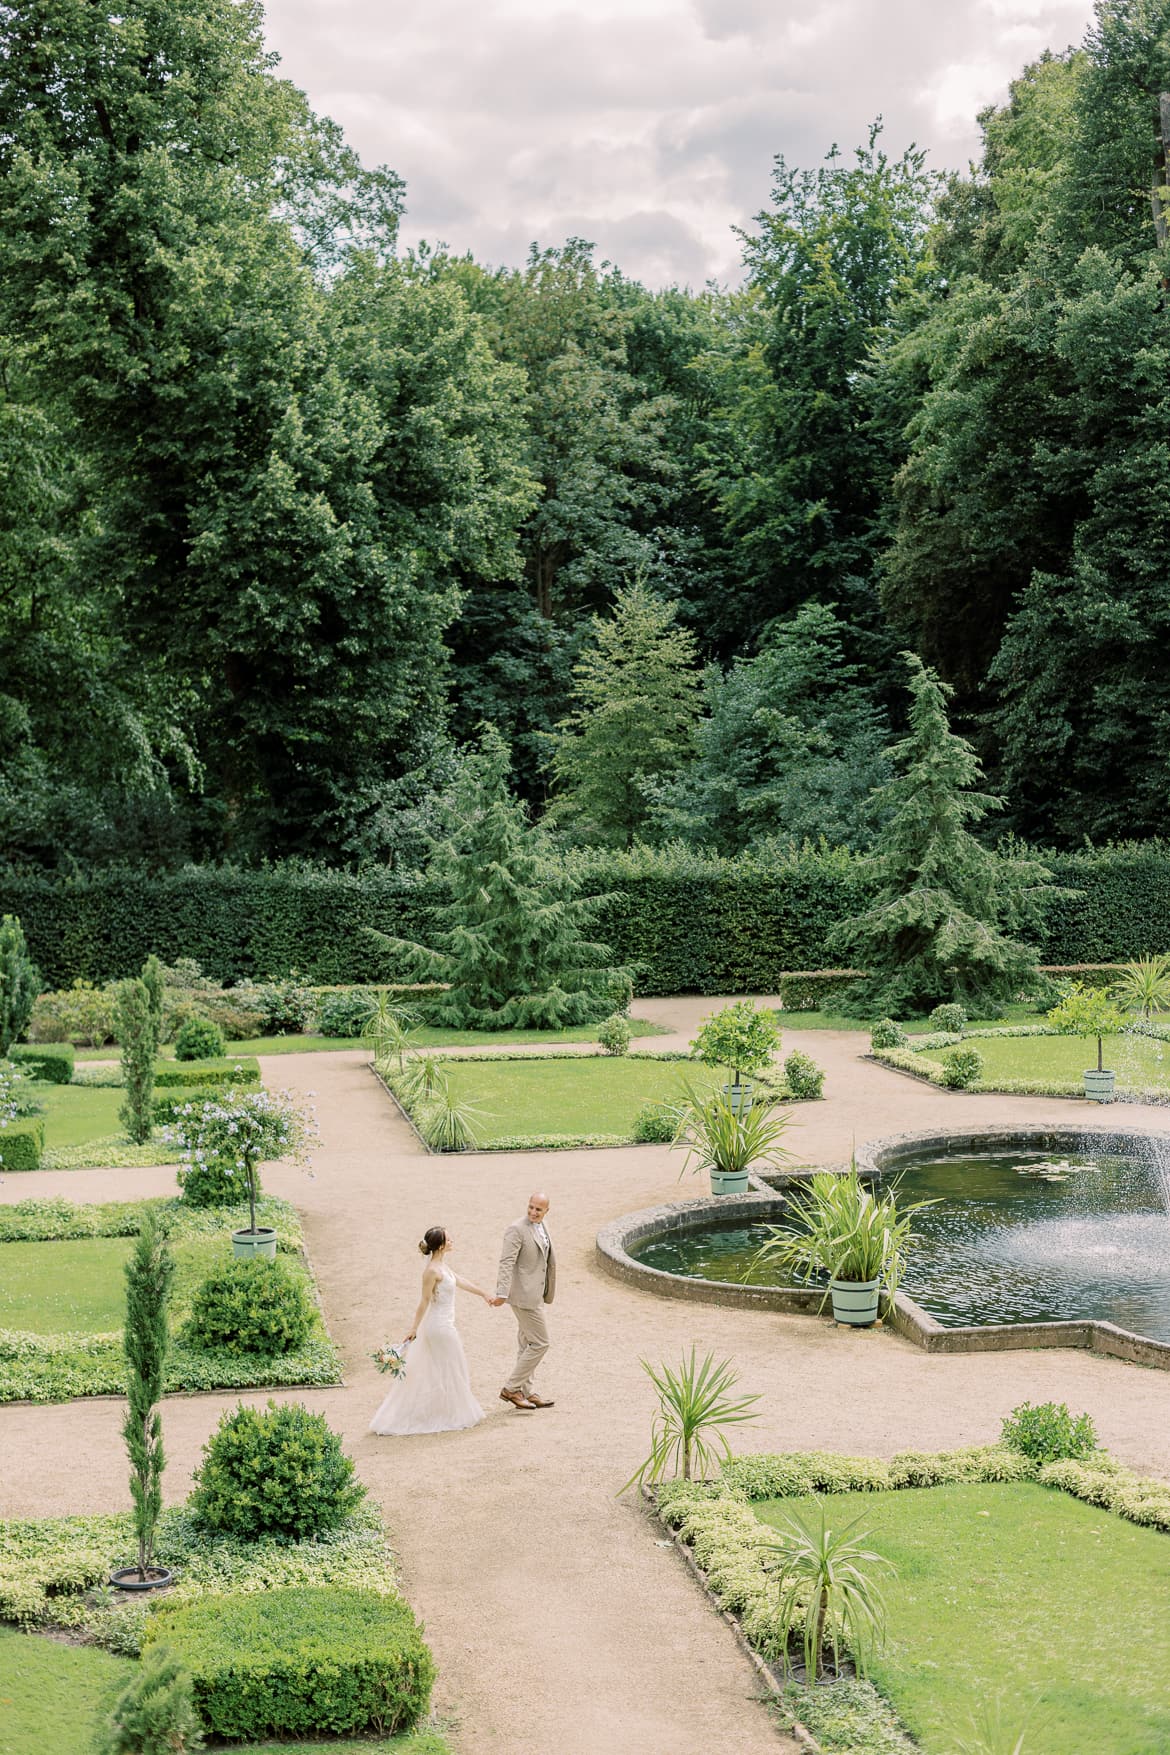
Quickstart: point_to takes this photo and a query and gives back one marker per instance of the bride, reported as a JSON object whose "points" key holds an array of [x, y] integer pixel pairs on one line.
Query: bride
{"points": [[434, 1392]]}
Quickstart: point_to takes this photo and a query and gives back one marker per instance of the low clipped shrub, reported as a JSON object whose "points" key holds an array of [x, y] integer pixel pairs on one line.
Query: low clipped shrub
{"points": [[250, 1307], [244, 1072], [199, 1039], [155, 1712], [211, 1182], [279, 1472], [948, 1017], [1049, 1433], [886, 1034], [299, 1661], [657, 1123], [168, 1105], [614, 1034], [804, 1077], [962, 1069], [343, 1014], [52, 1062], [22, 1144]]}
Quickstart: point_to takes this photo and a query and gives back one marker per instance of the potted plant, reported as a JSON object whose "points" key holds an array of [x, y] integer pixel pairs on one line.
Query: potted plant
{"points": [[727, 1140], [742, 1037], [235, 1131], [1088, 1012], [845, 1233]]}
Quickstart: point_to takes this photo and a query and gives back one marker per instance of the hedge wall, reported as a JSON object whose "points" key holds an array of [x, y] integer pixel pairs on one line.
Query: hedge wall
{"points": [[696, 924]]}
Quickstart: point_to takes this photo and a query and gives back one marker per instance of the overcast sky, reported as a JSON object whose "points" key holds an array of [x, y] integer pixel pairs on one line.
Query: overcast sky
{"points": [[648, 126]]}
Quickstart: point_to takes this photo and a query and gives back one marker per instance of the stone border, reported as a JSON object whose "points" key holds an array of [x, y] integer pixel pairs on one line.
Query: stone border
{"points": [[905, 1316]]}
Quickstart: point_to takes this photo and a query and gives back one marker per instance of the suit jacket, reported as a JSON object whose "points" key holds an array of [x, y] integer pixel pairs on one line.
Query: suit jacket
{"points": [[527, 1276]]}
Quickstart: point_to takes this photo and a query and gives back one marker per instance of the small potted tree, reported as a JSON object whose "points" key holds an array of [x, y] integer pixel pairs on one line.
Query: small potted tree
{"points": [[1088, 1012], [742, 1037], [232, 1133], [727, 1141]]}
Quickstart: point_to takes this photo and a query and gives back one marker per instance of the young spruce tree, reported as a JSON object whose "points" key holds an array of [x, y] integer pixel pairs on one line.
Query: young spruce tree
{"points": [[19, 982], [138, 1038], [149, 1273], [938, 926], [511, 945]]}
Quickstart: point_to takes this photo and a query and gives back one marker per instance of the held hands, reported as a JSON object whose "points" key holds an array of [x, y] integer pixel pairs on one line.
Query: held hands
{"points": [[494, 1302]]}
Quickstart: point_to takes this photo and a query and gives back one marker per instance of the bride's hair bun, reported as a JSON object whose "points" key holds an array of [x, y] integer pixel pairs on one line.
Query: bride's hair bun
{"points": [[433, 1241]]}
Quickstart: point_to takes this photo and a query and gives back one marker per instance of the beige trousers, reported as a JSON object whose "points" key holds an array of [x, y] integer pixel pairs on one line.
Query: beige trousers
{"points": [[533, 1347]]}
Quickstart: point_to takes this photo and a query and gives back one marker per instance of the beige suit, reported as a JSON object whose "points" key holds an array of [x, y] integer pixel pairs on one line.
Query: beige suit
{"points": [[528, 1280]]}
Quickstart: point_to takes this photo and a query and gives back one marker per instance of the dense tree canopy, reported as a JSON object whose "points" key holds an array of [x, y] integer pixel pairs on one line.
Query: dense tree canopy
{"points": [[287, 513]]}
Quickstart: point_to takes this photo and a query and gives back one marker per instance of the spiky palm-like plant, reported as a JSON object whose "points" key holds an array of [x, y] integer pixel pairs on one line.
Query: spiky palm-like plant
{"points": [[827, 1591], [695, 1409]]}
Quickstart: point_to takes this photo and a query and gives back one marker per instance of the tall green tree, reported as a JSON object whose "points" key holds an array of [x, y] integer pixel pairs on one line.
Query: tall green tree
{"points": [[20, 982], [137, 1034], [944, 905], [634, 705], [512, 943], [146, 1339]]}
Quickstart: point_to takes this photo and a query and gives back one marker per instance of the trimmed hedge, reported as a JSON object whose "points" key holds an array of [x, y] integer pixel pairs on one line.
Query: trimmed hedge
{"points": [[22, 1144], [217, 1073], [695, 923], [299, 1661], [50, 1061]]}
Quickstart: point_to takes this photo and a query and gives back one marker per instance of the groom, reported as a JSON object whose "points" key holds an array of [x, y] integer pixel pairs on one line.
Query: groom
{"points": [[527, 1280]]}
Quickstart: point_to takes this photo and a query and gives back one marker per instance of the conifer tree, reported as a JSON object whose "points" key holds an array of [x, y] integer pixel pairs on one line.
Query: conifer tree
{"points": [[938, 926], [137, 1036], [19, 982], [635, 694], [511, 944], [149, 1273], [152, 977]]}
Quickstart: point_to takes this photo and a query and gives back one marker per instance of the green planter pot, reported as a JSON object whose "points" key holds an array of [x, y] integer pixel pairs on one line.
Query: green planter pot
{"points": [[729, 1181], [1099, 1085], [739, 1097], [261, 1242], [855, 1301]]}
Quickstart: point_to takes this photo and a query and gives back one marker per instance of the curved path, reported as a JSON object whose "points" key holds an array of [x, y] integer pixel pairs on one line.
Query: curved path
{"points": [[558, 1622]]}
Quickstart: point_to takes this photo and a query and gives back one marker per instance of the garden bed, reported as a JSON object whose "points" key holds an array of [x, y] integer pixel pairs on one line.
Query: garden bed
{"points": [[1008, 1591], [62, 1295], [1033, 1060]]}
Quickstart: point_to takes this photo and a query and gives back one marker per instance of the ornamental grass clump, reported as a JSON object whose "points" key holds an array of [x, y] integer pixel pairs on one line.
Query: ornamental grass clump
{"points": [[843, 1231], [1144, 987], [719, 1136], [279, 1473], [223, 1139]]}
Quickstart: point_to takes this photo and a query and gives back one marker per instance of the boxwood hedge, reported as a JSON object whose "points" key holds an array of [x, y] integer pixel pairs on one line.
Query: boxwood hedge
{"points": [[693, 922], [298, 1661]]}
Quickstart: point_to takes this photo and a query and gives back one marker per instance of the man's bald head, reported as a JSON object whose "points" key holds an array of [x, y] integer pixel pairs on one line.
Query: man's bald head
{"points": [[538, 1205]]}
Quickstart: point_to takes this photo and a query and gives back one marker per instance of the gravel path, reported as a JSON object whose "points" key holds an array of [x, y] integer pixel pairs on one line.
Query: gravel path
{"points": [[557, 1622]]}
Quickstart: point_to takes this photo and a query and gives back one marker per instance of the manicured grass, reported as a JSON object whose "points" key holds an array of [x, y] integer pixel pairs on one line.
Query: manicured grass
{"points": [[568, 1095], [64, 1288], [1020, 1596], [77, 1113], [1012, 1014], [52, 1697], [51, 1694], [1140, 1062], [424, 1035]]}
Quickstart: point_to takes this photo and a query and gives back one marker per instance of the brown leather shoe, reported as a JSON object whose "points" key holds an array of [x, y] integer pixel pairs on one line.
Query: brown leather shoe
{"points": [[516, 1399], [535, 1401]]}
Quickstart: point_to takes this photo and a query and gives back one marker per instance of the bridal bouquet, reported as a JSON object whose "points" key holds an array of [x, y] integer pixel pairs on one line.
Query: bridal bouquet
{"points": [[391, 1358]]}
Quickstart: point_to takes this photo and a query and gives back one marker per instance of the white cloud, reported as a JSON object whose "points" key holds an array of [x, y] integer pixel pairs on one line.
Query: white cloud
{"points": [[648, 125]]}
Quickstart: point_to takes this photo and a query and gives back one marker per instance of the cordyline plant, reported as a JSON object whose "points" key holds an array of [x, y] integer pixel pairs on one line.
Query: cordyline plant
{"points": [[827, 1590], [844, 1231], [695, 1408], [235, 1131]]}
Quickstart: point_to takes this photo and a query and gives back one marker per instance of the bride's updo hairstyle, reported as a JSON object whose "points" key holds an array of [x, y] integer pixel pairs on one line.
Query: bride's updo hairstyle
{"points": [[434, 1240]]}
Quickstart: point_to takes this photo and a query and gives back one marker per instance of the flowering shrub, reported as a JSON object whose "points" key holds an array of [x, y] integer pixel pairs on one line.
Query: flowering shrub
{"points": [[17, 1098], [223, 1140]]}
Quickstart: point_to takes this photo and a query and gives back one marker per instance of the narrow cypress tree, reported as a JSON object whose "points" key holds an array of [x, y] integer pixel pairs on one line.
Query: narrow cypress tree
{"points": [[149, 1273], [152, 977], [937, 929], [139, 1043], [511, 943], [19, 982]]}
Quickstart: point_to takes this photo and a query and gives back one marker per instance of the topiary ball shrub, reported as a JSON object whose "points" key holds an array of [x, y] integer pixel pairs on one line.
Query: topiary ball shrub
{"points": [[656, 1124], [155, 1712], [886, 1034], [962, 1069], [804, 1077], [279, 1473], [199, 1039], [1049, 1433], [343, 1014], [256, 1307], [300, 1661], [614, 1034], [951, 1018]]}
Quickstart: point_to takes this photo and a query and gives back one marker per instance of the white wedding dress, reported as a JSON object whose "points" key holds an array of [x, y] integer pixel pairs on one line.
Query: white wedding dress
{"points": [[434, 1392]]}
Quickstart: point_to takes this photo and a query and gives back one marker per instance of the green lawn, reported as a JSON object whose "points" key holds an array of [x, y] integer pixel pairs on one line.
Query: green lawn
{"points": [[52, 1697], [1140, 1062], [1019, 1597], [77, 1113], [425, 1036], [569, 1094], [1012, 1014]]}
